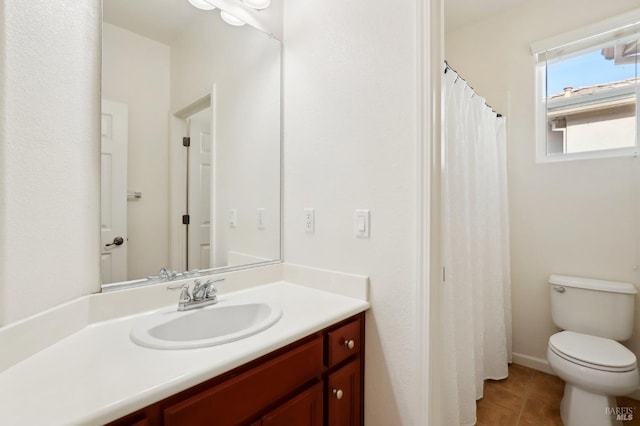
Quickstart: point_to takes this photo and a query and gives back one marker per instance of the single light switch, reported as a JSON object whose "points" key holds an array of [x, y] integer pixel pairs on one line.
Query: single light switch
{"points": [[260, 218], [362, 223], [233, 218]]}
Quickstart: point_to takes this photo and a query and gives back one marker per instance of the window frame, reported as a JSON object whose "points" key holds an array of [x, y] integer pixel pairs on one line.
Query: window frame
{"points": [[585, 39]]}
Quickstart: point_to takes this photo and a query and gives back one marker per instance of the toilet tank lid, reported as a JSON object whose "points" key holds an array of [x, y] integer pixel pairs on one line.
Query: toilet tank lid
{"points": [[593, 284]]}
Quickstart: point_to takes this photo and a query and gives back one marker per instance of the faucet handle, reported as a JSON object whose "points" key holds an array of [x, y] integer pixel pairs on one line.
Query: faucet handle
{"points": [[185, 297], [211, 288]]}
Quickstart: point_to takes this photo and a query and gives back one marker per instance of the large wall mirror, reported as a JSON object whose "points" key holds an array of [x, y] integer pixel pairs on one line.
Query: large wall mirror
{"points": [[190, 142]]}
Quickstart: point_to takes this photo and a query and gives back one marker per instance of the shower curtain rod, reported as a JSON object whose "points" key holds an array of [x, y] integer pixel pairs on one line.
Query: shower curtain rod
{"points": [[449, 67]]}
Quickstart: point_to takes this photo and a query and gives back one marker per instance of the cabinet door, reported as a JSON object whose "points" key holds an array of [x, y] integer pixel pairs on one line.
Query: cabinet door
{"points": [[240, 398], [344, 396], [303, 410]]}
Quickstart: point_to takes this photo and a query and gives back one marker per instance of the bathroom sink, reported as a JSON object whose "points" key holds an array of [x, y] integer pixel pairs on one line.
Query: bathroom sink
{"points": [[210, 326]]}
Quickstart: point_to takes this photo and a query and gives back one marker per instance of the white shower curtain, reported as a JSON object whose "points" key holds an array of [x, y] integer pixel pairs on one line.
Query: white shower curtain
{"points": [[476, 304]]}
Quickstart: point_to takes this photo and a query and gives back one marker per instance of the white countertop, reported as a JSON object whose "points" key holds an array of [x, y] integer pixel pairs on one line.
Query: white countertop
{"points": [[98, 374]]}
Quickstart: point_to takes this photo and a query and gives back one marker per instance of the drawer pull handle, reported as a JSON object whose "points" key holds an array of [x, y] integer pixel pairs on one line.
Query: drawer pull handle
{"points": [[349, 344], [338, 393]]}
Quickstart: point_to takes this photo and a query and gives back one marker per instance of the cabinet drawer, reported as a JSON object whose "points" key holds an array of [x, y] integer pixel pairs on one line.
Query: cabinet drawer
{"points": [[343, 342], [240, 398]]}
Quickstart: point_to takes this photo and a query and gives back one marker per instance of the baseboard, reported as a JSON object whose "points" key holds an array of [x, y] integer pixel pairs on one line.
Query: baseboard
{"points": [[539, 364]]}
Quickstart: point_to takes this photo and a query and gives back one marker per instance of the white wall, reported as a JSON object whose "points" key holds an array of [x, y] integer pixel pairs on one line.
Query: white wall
{"points": [[49, 158], [244, 65], [351, 94], [135, 71], [350, 97], [575, 218]]}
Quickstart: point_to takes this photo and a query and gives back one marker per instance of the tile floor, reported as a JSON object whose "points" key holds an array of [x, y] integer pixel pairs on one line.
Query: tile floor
{"points": [[529, 398]]}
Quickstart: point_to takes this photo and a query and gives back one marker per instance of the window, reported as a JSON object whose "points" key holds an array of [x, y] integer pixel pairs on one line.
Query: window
{"points": [[587, 92]]}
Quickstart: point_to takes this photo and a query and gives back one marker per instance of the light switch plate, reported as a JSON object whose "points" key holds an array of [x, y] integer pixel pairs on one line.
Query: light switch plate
{"points": [[260, 218], [233, 218], [309, 220], [362, 223]]}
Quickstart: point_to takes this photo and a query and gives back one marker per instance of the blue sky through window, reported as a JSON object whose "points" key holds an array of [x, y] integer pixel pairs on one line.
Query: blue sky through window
{"points": [[585, 70]]}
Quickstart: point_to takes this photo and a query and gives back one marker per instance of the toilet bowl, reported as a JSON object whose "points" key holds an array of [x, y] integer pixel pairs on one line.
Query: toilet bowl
{"points": [[595, 367], [593, 363], [595, 370]]}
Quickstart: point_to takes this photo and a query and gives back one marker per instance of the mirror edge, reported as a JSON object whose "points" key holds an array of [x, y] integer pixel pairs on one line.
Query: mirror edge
{"points": [[124, 285]]}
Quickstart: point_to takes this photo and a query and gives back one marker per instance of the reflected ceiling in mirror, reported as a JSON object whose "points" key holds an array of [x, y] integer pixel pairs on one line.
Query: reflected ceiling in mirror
{"points": [[190, 142]]}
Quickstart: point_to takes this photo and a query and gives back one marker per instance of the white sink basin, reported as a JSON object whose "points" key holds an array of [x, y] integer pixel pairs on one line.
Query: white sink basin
{"points": [[210, 326]]}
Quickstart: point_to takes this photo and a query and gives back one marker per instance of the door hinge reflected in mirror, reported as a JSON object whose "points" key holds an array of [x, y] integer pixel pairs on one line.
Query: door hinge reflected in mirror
{"points": [[185, 219], [186, 141]]}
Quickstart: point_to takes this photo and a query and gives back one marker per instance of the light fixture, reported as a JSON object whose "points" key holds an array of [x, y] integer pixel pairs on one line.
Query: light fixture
{"points": [[230, 19], [257, 4], [202, 4]]}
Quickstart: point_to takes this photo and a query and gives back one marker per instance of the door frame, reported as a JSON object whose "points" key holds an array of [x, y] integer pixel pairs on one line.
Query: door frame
{"points": [[430, 55]]}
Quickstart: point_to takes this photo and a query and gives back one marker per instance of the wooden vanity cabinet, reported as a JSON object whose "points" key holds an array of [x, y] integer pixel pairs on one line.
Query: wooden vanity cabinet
{"points": [[318, 380], [236, 400], [305, 409]]}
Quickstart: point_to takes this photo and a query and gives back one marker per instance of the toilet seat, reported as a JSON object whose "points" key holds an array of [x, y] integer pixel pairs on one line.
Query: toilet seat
{"points": [[592, 351]]}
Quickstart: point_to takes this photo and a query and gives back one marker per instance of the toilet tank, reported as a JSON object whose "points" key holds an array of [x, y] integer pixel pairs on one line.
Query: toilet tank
{"points": [[590, 306]]}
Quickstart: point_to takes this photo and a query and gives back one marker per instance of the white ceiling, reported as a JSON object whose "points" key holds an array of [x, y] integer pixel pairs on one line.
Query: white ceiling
{"points": [[165, 23], [144, 17], [459, 13]]}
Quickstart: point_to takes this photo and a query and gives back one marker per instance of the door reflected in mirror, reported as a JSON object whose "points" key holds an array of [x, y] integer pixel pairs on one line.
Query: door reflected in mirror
{"points": [[190, 141]]}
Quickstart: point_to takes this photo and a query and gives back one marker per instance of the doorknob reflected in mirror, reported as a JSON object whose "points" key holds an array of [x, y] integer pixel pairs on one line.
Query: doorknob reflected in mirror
{"points": [[117, 241]]}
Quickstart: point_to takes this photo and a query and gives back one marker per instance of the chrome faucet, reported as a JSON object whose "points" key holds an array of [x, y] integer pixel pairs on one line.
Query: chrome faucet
{"points": [[201, 296], [166, 275]]}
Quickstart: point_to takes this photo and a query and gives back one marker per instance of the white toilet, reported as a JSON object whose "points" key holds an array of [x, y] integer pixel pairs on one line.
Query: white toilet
{"points": [[594, 315]]}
